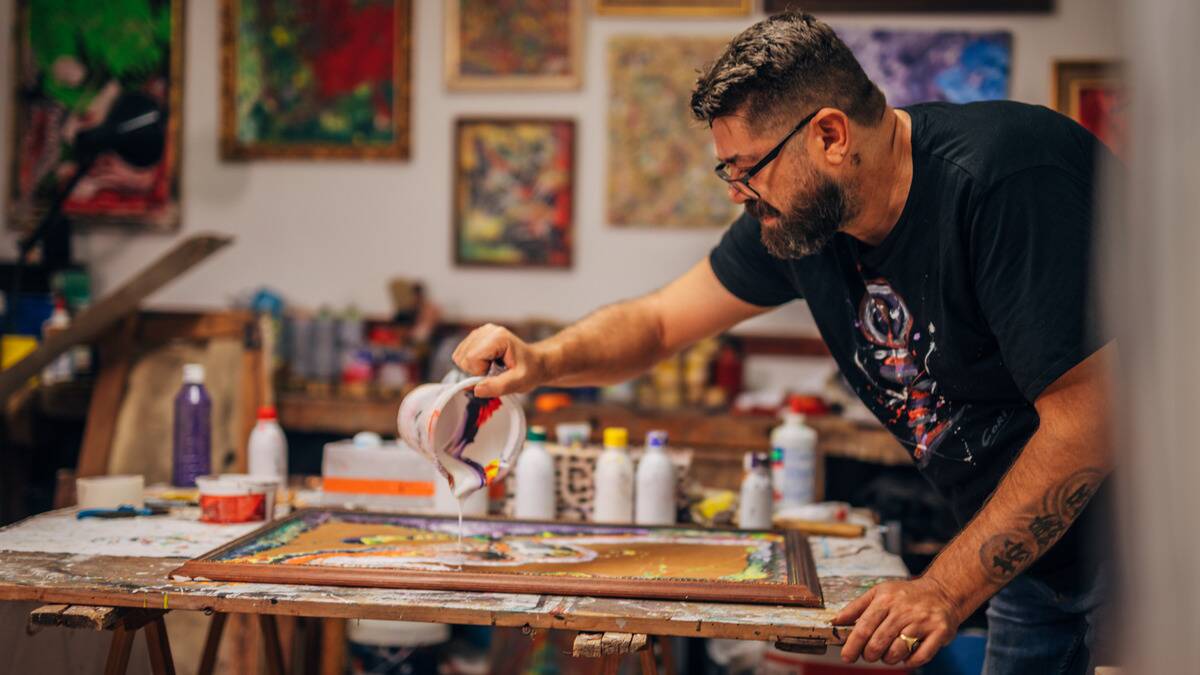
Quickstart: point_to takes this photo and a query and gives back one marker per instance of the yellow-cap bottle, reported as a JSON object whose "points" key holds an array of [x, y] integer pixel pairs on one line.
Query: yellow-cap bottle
{"points": [[616, 437]]}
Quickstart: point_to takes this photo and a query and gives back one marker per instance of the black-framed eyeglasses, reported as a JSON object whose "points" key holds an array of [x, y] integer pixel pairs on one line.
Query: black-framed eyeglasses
{"points": [[722, 169]]}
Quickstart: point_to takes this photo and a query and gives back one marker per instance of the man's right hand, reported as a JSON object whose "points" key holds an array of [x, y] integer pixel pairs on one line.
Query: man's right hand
{"points": [[526, 364]]}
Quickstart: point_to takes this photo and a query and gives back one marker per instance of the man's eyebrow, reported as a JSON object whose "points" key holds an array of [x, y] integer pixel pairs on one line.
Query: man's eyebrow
{"points": [[732, 159]]}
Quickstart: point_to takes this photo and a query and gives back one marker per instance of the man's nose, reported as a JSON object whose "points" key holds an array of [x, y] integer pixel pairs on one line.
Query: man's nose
{"points": [[738, 195]]}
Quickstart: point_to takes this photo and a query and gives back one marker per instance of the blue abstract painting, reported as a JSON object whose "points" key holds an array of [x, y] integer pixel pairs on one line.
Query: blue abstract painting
{"points": [[912, 66]]}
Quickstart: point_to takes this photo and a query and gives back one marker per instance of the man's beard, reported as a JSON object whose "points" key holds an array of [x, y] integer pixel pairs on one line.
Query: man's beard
{"points": [[809, 224]]}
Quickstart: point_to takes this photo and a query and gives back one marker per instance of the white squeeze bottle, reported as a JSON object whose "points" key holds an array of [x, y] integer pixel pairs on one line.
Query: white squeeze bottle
{"points": [[655, 492], [534, 475], [268, 447], [755, 507], [613, 499], [793, 451]]}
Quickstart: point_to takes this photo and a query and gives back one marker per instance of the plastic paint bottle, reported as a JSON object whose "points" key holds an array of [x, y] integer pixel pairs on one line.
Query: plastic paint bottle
{"points": [[755, 506], [268, 449], [655, 491], [60, 369], [534, 475], [613, 499], [794, 458], [193, 429]]}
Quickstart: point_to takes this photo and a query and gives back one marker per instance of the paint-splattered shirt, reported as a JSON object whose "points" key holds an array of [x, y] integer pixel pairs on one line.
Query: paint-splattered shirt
{"points": [[974, 303]]}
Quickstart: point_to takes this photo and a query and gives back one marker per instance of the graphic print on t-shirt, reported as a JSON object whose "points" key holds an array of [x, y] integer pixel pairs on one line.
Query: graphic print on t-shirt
{"points": [[904, 393]]}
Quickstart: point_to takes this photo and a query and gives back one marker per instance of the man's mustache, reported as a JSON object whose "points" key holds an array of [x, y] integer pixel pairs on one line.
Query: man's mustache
{"points": [[759, 209]]}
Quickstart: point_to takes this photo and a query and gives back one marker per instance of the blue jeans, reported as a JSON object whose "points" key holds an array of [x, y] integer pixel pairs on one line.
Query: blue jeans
{"points": [[1033, 630]]}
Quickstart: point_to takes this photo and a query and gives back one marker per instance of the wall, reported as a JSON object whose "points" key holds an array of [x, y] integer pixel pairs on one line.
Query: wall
{"points": [[335, 232]]}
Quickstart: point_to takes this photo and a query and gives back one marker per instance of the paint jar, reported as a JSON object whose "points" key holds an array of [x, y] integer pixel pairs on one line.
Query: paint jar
{"points": [[225, 499], [472, 441], [378, 647]]}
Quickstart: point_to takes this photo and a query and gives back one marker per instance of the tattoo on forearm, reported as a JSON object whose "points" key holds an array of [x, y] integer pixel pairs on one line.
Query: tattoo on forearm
{"points": [[1006, 555]]}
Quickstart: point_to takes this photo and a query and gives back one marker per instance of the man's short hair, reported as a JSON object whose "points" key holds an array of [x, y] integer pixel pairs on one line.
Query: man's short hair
{"points": [[784, 67]]}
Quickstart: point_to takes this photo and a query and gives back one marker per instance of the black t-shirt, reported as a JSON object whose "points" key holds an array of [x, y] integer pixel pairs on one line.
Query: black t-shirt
{"points": [[974, 303]]}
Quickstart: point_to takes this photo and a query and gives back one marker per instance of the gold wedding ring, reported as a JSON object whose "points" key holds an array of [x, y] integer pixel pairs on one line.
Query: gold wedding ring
{"points": [[911, 642]]}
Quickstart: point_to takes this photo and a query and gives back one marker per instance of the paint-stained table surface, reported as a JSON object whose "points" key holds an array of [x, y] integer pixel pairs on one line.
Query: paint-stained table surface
{"points": [[54, 558]]}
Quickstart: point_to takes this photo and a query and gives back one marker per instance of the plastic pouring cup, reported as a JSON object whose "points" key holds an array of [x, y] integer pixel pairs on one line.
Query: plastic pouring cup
{"points": [[471, 441]]}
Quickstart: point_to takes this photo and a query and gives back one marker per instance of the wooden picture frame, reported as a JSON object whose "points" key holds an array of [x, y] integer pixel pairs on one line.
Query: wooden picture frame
{"points": [[154, 208], [394, 144], [556, 252], [956, 6], [674, 8], [802, 587], [456, 64], [1076, 87]]}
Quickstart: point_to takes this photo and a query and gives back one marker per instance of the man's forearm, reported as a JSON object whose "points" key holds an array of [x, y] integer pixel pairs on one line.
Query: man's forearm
{"points": [[608, 346], [1044, 491]]}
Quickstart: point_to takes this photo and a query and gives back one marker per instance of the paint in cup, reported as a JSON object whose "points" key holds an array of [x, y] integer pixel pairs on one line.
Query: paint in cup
{"points": [[472, 441]]}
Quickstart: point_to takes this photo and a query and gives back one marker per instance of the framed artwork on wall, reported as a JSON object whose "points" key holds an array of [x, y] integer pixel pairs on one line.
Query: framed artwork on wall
{"points": [[315, 80], [514, 45], [1037, 6], [660, 160], [349, 548], [673, 7], [514, 192], [1090, 92], [72, 62]]}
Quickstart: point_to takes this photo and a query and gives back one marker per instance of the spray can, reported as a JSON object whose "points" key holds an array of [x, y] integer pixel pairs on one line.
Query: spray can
{"points": [[655, 493], [193, 429], [613, 499]]}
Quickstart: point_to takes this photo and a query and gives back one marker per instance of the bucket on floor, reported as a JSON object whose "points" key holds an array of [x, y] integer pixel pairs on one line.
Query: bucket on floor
{"points": [[394, 647]]}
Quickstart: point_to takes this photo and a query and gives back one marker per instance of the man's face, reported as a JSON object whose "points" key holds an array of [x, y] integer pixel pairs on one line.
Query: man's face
{"points": [[800, 206]]}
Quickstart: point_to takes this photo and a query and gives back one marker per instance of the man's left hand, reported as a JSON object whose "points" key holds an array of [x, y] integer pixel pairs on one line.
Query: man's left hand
{"points": [[918, 609]]}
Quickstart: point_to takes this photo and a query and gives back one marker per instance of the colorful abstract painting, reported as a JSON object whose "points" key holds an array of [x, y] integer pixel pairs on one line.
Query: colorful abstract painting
{"points": [[513, 192], [513, 44], [409, 551], [660, 160], [673, 7], [1091, 93], [315, 79], [73, 61], [973, 6], [913, 66]]}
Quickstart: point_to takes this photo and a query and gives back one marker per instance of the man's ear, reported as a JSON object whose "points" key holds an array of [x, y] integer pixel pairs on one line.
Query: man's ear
{"points": [[831, 134]]}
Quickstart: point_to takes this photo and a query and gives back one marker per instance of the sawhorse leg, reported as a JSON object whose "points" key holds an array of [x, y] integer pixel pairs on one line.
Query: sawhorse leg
{"points": [[124, 622]]}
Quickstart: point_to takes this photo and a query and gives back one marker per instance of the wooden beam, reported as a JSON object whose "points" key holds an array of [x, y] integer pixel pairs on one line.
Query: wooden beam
{"points": [[93, 321], [116, 359]]}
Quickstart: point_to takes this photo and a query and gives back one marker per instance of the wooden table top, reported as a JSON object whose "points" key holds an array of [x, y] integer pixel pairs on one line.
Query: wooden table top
{"points": [[54, 558]]}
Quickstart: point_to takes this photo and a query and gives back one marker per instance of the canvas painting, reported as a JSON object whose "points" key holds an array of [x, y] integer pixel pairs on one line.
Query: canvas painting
{"points": [[673, 7], [660, 160], [514, 44], [774, 6], [914, 66], [1090, 92], [345, 548], [73, 61], [315, 79], [514, 192]]}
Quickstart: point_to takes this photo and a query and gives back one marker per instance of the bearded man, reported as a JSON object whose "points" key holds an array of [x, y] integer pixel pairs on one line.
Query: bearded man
{"points": [[944, 252]]}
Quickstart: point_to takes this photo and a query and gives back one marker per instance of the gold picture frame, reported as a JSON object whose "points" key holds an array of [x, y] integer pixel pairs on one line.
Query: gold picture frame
{"points": [[455, 63], [232, 147], [674, 8]]}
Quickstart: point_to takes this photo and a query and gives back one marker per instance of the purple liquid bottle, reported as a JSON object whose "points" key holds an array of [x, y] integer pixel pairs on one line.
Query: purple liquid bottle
{"points": [[193, 428]]}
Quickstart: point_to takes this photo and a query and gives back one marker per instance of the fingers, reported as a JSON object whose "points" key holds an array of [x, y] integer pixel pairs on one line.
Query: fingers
{"points": [[509, 381], [851, 612], [883, 638], [477, 351], [864, 628], [928, 647], [898, 651]]}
